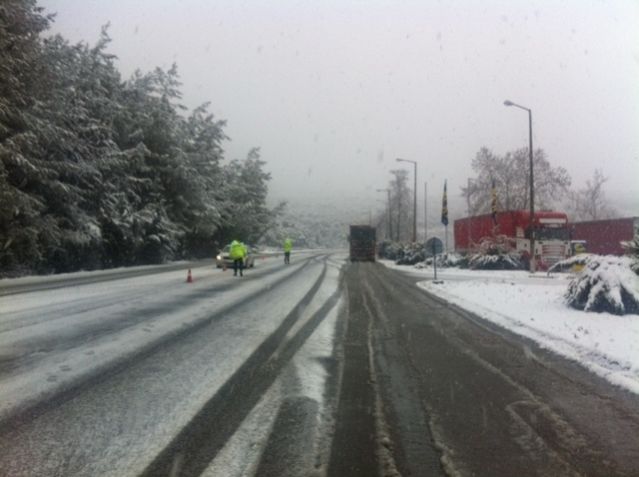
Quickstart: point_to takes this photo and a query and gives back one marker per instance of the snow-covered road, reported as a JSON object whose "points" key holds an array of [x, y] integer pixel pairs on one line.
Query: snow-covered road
{"points": [[109, 378], [316, 368]]}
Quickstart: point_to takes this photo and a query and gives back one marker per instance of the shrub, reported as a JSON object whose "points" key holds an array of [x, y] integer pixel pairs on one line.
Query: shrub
{"points": [[494, 262], [446, 260], [606, 284]]}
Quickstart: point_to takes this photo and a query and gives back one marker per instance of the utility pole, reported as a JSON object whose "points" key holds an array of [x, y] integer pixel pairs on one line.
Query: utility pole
{"points": [[445, 207], [468, 220], [532, 196], [399, 216], [390, 225], [425, 211], [415, 204], [531, 184]]}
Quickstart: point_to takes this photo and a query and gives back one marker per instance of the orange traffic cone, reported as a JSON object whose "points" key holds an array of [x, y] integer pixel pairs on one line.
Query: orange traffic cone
{"points": [[189, 277]]}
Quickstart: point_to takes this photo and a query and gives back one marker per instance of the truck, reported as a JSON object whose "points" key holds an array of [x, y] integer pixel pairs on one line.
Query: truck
{"points": [[604, 237], [362, 240], [510, 231]]}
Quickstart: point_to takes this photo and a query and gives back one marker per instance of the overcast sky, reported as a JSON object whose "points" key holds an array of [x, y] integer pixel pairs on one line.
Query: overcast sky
{"points": [[333, 91]]}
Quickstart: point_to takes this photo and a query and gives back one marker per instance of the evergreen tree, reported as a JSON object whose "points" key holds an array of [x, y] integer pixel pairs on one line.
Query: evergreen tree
{"points": [[246, 215], [21, 21], [96, 171]]}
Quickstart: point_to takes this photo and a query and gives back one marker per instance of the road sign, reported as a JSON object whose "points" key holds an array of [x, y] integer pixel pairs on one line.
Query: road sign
{"points": [[434, 245]]}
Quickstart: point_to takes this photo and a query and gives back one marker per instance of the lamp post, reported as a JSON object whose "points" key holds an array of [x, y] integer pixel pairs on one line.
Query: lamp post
{"points": [[531, 185], [425, 211], [390, 227], [468, 221], [414, 196]]}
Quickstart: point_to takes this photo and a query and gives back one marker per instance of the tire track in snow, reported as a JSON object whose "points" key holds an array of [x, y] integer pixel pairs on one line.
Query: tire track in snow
{"points": [[197, 444], [27, 408]]}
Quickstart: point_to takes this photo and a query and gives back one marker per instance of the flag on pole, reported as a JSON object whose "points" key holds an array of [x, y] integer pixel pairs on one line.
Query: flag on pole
{"points": [[445, 206], [493, 203]]}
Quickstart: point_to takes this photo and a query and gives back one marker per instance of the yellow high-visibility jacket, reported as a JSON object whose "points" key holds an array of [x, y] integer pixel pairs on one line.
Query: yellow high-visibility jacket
{"points": [[237, 250]]}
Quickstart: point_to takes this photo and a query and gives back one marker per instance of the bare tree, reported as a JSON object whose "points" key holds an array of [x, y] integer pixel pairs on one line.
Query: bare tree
{"points": [[510, 173], [401, 200], [589, 202]]}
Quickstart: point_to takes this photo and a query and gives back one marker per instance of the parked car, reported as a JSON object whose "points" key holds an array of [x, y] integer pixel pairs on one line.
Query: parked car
{"points": [[223, 259]]}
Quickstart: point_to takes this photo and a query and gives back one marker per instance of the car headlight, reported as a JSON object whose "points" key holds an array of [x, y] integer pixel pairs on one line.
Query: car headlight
{"points": [[219, 257]]}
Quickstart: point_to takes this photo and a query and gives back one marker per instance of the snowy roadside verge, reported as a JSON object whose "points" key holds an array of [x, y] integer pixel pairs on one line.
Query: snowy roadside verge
{"points": [[533, 306]]}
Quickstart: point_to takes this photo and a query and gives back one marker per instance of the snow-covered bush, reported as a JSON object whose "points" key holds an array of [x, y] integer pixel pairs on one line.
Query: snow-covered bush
{"points": [[412, 254], [494, 262], [606, 284], [496, 245], [402, 253], [390, 250], [444, 260], [463, 261], [494, 253], [567, 264], [417, 254], [452, 259]]}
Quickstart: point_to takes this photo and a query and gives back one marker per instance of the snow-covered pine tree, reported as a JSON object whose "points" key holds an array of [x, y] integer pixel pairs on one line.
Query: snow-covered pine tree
{"points": [[77, 103], [20, 63], [201, 149], [246, 215], [95, 171]]}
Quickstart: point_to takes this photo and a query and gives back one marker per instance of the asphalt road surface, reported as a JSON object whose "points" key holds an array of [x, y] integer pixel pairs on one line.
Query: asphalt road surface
{"points": [[460, 396], [320, 368]]}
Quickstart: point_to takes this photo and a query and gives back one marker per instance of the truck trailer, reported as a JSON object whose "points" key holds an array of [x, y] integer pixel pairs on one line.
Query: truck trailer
{"points": [[604, 237], [511, 231], [362, 240]]}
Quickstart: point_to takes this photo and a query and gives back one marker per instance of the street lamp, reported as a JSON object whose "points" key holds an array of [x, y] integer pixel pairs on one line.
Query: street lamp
{"points": [[390, 227], [468, 221], [414, 197], [425, 211], [532, 189]]}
